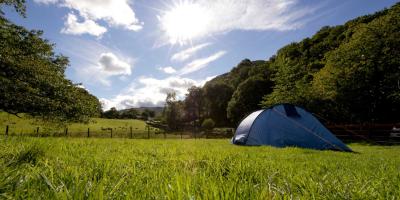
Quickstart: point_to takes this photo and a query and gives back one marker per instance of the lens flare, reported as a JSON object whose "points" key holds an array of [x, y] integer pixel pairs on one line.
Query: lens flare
{"points": [[184, 22]]}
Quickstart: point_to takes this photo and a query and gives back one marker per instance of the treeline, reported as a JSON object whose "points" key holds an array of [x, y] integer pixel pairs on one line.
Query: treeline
{"points": [[131, 113], [344, 74]]}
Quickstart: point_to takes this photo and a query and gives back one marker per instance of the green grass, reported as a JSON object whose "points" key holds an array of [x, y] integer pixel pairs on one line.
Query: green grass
{"points": [[24, 125], [81, 168]]}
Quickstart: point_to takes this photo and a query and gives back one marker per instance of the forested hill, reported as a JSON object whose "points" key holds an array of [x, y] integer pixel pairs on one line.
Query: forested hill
{"points": [[347, 73]]}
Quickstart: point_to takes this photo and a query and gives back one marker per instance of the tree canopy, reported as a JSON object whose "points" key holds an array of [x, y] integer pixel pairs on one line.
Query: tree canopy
{"points": [[32, 78]]}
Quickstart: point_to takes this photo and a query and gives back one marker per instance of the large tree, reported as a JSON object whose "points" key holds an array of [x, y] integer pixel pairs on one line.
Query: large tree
{"points": [[194, 104], [173, 112], [32, 78], [217, 96], [247, 98]]}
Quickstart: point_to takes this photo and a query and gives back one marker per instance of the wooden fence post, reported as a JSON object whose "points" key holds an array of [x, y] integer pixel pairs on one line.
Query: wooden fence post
{"points": [[66, 131], [111, 132], [37, 131], [7, 130], [148, 132], [88, 132]]}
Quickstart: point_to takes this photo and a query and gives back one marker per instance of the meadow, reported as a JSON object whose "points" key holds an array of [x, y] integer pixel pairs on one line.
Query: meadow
{"points": [[100, 168], [98, 127]]}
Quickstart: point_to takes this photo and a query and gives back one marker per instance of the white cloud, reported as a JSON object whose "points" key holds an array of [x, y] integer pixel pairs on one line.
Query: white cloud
{"points": [[73, 27], [117, 13], [222, 16], [187, 53], [94, 63], [108, 65], [167, 70], [200, 63], [111, 64], [151, 92]]}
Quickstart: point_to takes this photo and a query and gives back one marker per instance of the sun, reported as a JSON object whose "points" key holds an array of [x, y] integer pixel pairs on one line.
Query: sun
{"points": [[184, 22]]}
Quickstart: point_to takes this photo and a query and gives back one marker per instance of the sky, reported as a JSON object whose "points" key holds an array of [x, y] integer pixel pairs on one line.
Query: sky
{"points": [[131, 53]]}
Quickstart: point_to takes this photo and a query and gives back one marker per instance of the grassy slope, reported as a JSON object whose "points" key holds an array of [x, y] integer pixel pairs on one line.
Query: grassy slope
{"points": [[25, 125], [187, 169]]}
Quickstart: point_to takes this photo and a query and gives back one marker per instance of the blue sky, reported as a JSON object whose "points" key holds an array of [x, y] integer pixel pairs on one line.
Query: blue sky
{"points": [[130, 53]]}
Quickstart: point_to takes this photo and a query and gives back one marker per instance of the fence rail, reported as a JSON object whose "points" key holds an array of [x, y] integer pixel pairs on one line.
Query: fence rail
{"points": [[120, 132], [376, 133]]}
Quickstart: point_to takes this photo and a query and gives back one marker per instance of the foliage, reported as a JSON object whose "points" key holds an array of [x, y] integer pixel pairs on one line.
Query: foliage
{"points": [[19, 6], [212, 100], [111, 114], [365, 70], [208, 124], [217, 96], [192, 169], [130, 113], [347, 73], [194, 105], [146, 114], [247, 96], [173, 112], [32, 78]]}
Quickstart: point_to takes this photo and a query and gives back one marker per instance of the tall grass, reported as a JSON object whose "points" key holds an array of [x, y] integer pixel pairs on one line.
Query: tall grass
{"points": [[191, 169]]}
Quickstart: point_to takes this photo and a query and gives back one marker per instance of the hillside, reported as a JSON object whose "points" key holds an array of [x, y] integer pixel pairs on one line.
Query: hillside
{"points": [[347, 73]]}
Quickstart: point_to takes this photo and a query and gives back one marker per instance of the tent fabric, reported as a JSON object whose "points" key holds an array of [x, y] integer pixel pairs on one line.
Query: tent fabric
{"points": [[286, 125]]}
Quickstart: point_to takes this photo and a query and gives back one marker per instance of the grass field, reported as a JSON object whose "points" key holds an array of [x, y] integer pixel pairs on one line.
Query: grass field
{"points": [[26, 125], [82, 168]]}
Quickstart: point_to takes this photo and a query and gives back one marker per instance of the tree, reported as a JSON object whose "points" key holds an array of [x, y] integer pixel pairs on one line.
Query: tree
{"points": [[194, 104], [173, 112], [145, 115], [208, 124], [130, 113], [32, 79], [361, 77], [152, 113], [19, 6], [218, 91], [217, 97], [111, 114], [247, 98], [347, 73]]}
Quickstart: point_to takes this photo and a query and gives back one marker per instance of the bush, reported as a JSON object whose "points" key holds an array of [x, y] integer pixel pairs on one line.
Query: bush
{"points": [[208, 124]]}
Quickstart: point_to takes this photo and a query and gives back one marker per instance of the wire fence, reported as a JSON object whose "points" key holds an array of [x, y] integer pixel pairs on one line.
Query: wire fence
{"points": [[116, 132]]}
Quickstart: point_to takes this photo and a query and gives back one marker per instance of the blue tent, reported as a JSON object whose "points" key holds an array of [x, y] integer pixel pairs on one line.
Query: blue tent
{"points": [[286, 125]]}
